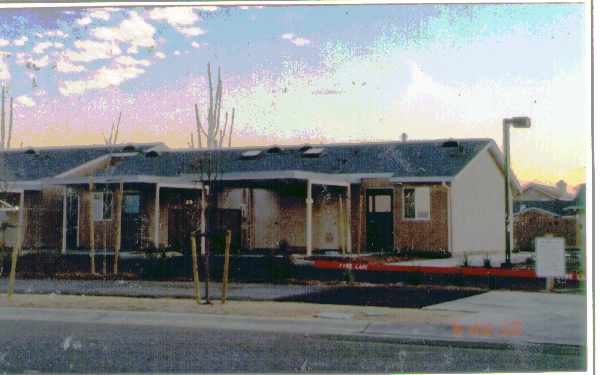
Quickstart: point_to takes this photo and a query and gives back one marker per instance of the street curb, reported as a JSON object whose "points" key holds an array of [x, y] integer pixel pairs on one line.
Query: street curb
{"points": [[545, 348]]}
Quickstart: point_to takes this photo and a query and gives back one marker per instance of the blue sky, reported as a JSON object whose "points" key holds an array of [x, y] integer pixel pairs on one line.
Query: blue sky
{"points": [[307, 73]]}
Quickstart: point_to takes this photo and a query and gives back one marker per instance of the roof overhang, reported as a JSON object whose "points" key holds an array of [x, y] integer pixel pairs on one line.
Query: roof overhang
{"points": [[174, 182], [422, 180], [20, 186]]}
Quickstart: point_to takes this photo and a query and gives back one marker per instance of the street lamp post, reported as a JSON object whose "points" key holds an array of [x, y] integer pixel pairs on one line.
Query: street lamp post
{"points": [[515, 122]]}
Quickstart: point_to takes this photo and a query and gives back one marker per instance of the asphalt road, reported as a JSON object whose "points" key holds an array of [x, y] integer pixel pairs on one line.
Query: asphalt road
{"points": [[59, 346]]}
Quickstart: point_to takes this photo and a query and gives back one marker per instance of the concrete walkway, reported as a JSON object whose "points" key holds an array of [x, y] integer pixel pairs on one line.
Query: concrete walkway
{"points": [[155, 289], [521, 316]]}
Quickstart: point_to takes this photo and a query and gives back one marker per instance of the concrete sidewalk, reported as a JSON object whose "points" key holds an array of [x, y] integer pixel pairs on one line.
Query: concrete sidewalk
{"points": [[523, 316], [485, 320], [155, 289]]}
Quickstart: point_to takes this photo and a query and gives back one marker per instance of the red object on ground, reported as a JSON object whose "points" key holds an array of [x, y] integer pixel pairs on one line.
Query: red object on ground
{"points": [[468, 271]]}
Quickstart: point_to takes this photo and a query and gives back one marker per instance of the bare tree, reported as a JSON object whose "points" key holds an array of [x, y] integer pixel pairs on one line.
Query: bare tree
{"points": [[114, 132], [209, 165], [215, 131], [6, 132]]}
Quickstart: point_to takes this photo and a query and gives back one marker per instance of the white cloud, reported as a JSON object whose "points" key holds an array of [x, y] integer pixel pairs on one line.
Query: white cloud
{"points": [[4, 42], [20, 41], [25, 100], [38, 63], [100, 14], [175, 16], [160, 55], [299, 41], [133, 30], [102, 78], [180, 18], [58, 33], [246, 7], [130, 61], [195, 45], [191, 31], [177, 53], [90, 50], [207, 8], [41, 47], [64, 66], [84, 21]]}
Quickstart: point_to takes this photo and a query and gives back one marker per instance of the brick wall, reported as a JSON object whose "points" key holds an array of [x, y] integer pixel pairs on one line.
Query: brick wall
{"points": [[431, 235]]}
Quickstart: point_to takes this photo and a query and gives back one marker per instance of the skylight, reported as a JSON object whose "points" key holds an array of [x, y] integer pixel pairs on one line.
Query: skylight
{"points": [[313, 152], [251, 154]]}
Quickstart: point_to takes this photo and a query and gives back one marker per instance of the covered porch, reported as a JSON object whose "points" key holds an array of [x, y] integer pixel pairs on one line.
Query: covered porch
{"points": [[289, 211], [130, 213]]}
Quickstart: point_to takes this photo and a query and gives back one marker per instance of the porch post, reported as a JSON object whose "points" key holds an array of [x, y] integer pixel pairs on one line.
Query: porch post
{"points": [[340, 220], [64, 223], [203, 220], [157, 216], [348, 221], [309, 203]]}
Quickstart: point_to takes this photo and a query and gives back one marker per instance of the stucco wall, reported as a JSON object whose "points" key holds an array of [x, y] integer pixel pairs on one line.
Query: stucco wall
{"points": [[275, 215], [477, 210]]}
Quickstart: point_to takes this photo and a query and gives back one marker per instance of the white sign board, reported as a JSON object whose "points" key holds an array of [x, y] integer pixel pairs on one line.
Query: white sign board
{"points": [[550, 257]]}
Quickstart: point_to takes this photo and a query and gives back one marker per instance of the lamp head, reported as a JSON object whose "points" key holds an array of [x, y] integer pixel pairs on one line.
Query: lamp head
{"points": [[518, 122]]}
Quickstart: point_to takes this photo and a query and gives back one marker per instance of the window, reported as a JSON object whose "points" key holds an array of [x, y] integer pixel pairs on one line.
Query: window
{"points": [[383, 203], [102, 206], [131, 204], [417, 203]]}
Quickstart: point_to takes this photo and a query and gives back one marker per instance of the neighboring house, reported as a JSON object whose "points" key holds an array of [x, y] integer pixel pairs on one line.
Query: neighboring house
{"points": [[539, 217], [540, 192], [37, 204], [434, 195]]}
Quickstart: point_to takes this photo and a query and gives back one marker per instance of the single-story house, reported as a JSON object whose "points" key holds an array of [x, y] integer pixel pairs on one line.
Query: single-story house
{"points": [[38, 205], [432, 195], [544, 216]]}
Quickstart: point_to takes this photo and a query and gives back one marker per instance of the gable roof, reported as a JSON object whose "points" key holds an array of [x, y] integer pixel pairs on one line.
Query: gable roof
{"points": [[398, 159], [30, 164], [556, 207], [550, 191]]}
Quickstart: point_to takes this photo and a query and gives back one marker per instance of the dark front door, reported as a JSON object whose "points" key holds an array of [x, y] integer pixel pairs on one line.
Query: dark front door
{"points": [[72, 219], [131, 222], [227, 219], [380, 220], [182, 222]]}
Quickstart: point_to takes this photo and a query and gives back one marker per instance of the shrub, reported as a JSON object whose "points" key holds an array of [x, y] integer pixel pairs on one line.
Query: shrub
{"points": [[427, 254], [348, 276]]}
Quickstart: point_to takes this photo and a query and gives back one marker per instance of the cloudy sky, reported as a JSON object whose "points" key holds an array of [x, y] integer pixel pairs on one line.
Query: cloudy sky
{"points": [[300, 74]]}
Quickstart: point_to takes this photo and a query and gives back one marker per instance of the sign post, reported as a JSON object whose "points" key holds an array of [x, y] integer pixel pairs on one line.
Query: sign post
{"points": [[550, 259]]}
